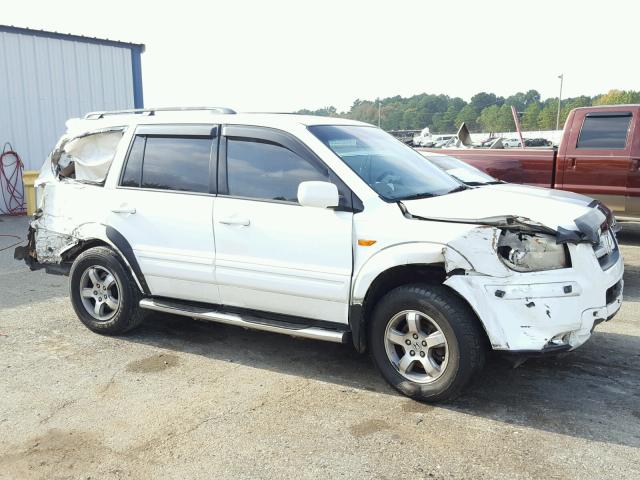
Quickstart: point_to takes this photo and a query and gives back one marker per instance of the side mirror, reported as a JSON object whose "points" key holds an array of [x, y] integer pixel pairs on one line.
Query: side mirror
{"points": [[318, 194]]}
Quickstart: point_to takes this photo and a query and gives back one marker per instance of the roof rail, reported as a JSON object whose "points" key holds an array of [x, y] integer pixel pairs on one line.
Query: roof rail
{"points": [[152, 111]]}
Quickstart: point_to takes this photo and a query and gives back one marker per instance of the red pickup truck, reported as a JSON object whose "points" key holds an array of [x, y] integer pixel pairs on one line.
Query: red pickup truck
{"points": [[599, 156]]}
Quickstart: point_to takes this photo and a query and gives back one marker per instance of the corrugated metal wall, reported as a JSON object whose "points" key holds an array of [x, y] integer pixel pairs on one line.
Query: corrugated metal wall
{"points": [[45, 81]]}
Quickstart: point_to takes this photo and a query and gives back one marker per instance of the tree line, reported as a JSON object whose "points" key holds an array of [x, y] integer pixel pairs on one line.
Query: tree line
{"points": [[485, 112]]}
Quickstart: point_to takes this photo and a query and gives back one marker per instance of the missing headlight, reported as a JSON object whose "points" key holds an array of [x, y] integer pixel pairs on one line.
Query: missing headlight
{"points": [[531, 252]]}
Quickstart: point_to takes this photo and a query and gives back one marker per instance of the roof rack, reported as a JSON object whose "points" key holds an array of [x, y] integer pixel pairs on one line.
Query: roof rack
{"points": [[152, 111]]}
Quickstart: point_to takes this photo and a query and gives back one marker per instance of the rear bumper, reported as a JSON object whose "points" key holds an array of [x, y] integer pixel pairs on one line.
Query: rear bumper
{"points": [[545, 312]]}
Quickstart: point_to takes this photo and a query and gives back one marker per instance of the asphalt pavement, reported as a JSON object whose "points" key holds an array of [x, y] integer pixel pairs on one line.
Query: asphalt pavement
{"points": [[179, 399]]}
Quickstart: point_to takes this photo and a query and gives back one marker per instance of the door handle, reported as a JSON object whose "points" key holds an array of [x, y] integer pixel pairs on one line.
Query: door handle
{"points": [[572, 162], [235, 221], [635, 164], [124, 209]]}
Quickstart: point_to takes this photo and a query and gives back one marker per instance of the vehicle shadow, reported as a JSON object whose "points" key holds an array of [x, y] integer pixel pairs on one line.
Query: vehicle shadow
{"points": [[591, 393], [630, 234], [631, 283], [14, 290]]}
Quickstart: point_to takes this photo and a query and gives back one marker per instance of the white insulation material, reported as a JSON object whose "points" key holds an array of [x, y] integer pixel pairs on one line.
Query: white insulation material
{"points": [[92, 155]]}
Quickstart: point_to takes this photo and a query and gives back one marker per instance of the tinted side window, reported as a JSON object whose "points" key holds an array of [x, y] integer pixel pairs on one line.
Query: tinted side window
{"points": [[604, 132], [175, 163], [264, 170], [133, 169]]}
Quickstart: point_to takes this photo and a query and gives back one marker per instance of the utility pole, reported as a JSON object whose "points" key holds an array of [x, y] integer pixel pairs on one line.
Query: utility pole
{"points": [[379, 111], [561, 77]]}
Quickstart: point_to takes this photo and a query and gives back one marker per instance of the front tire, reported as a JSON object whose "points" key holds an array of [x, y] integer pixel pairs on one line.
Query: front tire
{"points": [[426, 342], [103, 293]]}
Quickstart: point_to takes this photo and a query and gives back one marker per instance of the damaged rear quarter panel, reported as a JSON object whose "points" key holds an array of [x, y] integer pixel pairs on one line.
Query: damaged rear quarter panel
{"points": [[65, 218], [71, 211]]}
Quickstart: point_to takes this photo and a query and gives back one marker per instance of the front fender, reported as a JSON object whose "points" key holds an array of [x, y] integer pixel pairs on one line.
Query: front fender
{"points": [[418, 253]]}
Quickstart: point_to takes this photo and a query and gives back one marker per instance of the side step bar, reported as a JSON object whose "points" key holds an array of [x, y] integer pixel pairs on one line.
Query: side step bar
{"points": [[246, 321]]}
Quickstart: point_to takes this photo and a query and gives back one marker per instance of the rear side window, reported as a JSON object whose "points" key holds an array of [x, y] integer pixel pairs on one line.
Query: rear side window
{"points": [[133, 170], [268, 171], [169, 163], [605, 131]]}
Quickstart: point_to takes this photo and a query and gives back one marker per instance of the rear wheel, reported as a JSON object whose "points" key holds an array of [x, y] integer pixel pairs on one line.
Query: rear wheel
{"points": [[426, 342], [103, 293]]}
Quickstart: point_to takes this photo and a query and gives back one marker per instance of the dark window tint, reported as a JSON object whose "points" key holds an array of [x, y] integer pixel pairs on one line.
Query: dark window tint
{"points": [[258, 169], [603, 132], [133, 169], [175, 163]]}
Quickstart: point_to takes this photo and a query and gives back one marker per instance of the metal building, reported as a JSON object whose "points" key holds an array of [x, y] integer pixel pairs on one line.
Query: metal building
{"points": [[48, 77]]}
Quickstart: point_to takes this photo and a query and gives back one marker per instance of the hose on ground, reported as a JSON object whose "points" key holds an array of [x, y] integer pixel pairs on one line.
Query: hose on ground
{"points": [[11, 169]]}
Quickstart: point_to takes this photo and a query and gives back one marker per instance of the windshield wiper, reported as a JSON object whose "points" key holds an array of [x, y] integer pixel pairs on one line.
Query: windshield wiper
{"points": [[457, 189], [415, 196]]}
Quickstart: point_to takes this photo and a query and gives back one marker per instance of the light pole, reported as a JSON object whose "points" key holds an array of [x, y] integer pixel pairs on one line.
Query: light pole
{"points": [[379, 108], [561, 77]]}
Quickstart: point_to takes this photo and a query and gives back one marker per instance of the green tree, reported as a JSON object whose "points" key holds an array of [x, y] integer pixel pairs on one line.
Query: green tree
{"points": [[530, 116], [518, 100], [489, 118], [485, 111], [323, 112], [505, 119], [548, 114], [482, 100], [532, 96], [469, 116], [617, 97], [571, 103]]}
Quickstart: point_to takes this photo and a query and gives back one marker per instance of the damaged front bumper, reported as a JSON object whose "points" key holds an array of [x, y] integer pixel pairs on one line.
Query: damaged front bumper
{"points": [[545, 311]]}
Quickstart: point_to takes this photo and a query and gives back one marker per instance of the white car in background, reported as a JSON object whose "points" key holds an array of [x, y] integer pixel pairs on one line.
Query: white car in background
{"points": [[321, 228], [511, 143], [440, 141]]}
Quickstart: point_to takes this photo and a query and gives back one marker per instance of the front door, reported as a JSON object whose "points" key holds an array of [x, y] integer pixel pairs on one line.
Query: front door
{"points": [[633, 189], [273, 254], [633, 180], [163, 206], [597, 159]]}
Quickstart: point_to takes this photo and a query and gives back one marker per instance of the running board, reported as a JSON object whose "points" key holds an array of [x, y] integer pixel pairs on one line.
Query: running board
{"points": [[246, 321]]}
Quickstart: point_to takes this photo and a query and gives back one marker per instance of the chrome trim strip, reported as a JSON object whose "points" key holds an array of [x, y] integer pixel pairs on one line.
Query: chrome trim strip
{"points": [[313, 333]]}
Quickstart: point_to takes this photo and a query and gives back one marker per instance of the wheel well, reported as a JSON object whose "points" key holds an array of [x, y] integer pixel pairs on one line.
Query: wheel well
{"points": [[71, 254], [401, 275], [396, 277]]}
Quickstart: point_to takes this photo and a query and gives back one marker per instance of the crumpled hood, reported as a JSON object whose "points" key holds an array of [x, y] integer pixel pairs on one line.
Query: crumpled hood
{"points": [[541, 192], [491, 205]]}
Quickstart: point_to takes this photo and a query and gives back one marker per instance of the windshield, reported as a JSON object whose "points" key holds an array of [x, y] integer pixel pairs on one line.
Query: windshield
{"points": [[394, 170], [462, 171]]}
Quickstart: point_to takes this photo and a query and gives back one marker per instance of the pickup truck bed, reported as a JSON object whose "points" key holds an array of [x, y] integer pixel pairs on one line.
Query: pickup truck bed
{"points": [[530, 166], [599, 156]]}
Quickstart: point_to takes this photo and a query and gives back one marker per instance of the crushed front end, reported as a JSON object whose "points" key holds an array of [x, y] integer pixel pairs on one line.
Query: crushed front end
{"points": [[552, 289]]}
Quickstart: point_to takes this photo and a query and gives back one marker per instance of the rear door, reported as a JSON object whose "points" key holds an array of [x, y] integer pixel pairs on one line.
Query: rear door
{"points": [[163, 206], [272, 254], [597, 160]]}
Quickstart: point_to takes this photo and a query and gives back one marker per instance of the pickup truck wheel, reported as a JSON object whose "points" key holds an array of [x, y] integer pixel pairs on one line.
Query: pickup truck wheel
{"points": [[103, 294], [426, 342]]}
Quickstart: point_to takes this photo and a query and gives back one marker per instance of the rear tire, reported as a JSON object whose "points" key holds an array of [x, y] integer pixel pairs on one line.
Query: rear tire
{"points": [[103, 293], [426, 341]]}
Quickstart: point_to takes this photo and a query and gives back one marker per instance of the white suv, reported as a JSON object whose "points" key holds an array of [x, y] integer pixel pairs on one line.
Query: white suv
{"points": [[321, 228]]}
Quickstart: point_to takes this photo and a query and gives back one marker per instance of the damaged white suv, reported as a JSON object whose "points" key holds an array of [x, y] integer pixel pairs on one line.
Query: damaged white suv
{"points": [[320, 228]]}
